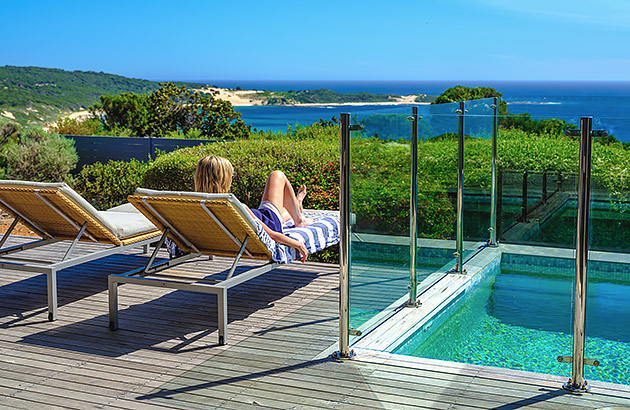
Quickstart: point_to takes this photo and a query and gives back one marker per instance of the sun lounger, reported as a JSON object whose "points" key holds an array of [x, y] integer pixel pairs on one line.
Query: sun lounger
{"points": [[213, 224], [55, 212]]}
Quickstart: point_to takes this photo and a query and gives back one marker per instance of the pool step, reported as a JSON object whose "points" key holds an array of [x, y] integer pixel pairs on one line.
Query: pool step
{"points": [[522, 231]]}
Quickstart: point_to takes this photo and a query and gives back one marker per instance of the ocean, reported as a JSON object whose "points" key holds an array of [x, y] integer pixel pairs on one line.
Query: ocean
{"points": [[608, 102]]}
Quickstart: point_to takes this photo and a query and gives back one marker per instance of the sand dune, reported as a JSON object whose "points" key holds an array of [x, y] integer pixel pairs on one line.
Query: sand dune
{"points": [[254, 97]]}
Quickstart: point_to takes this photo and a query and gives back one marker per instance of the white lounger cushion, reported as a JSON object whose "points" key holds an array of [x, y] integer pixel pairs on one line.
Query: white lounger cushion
{"points": [[123, 221], [125, 224]]}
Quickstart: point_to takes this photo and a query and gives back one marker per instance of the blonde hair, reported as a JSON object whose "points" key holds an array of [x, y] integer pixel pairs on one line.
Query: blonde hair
{"points": [[214, 175]]}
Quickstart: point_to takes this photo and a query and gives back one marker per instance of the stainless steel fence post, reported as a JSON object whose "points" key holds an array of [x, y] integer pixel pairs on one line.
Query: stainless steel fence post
{"points": [[577, 382], [459, 253], [413, 210], [523, 217], [494, 189], [344, 243]]}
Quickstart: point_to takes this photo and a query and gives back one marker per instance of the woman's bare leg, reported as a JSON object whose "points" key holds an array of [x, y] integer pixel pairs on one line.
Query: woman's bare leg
{"points": [[301, 194], [279, 192]]}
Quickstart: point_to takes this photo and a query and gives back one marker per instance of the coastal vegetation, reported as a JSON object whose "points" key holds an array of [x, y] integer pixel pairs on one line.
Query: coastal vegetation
{"points": [[170, 110], [461, 93], [35, 95], [310, 155], [326, 96], [319, 96], [34, 154]]}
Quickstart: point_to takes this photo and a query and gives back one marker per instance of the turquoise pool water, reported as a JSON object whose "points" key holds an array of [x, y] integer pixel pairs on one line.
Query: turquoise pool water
{"points": [[523, 320]]}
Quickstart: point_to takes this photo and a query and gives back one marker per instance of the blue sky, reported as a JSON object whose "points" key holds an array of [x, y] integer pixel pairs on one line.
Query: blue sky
{"points": [[210, 40]]}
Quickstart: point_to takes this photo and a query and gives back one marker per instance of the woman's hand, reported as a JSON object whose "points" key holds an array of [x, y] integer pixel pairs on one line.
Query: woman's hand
{"points": [[303, 251], [283, 239]]}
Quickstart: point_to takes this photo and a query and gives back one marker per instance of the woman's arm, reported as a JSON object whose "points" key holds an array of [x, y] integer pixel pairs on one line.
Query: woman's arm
{"points": [[283, 239]]}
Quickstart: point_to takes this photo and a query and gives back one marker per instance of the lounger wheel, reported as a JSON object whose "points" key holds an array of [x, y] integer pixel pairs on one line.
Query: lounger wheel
{"points": [[50, 317], [221, 340]]}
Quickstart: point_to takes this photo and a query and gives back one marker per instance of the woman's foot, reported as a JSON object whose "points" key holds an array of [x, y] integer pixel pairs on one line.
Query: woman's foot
{"points": [[301, 194], [305, 221]]}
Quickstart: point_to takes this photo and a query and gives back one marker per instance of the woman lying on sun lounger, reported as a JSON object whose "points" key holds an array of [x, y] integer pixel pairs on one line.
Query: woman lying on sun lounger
{"points": [[279, 202]]}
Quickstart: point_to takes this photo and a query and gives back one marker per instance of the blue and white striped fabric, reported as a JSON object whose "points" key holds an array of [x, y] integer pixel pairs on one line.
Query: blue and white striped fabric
{"points": [[321, 234]]}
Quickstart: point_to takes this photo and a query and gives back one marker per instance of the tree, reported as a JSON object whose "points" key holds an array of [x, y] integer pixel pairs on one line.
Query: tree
{"points": [[521, 121], [461, 93], [174, 108], [126, 111], [171, 109]]}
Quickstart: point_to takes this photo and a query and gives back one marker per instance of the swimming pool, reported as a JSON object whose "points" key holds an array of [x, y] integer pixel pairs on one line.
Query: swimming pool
{"points": [[519, 316]]}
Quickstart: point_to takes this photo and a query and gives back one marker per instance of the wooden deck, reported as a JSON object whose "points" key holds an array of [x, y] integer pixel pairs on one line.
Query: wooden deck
{"points": [[165, 354]]}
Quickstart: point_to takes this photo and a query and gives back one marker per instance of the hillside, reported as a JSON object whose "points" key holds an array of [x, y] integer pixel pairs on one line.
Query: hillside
{"points": [[36, 95]]}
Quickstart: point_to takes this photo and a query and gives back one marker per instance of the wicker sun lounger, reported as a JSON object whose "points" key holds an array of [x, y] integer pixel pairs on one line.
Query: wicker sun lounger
{"points": [[55, 212], [218, 225]]}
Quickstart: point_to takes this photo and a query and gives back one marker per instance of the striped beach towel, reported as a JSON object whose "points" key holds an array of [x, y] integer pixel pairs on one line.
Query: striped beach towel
{"points": [[322, 233]]}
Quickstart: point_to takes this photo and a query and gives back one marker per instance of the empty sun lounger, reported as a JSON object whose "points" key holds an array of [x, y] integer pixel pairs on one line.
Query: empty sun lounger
{"points": [[55, 212], [213, 224]]}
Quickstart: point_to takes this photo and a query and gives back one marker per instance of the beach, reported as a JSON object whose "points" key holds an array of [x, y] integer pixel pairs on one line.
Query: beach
{"points": [[250, 98]]}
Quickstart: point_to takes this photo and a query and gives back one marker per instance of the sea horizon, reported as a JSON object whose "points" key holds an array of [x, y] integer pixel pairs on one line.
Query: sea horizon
{"points": [[606, 101], [434, 87]]}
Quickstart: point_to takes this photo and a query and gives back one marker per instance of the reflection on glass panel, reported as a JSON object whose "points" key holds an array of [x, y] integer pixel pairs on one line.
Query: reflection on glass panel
{"points": [[517, 311], [437, 172]]}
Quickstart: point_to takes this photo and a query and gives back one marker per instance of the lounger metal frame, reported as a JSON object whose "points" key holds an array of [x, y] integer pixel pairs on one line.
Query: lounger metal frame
{"points": [[141, 276], [51, 268]]}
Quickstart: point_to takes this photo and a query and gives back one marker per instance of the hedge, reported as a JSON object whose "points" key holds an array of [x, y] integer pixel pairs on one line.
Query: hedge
{"points": [[108, 185], [312, 163]]}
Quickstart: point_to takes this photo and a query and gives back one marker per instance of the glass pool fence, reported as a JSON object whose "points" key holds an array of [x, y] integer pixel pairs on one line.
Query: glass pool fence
{"points": [[462, 241]]}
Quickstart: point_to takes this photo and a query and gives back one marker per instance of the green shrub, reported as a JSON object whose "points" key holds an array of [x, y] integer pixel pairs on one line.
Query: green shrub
{"points": [[381, 190], [171, 108], [194, 134], [321, 131], [35, 155], [380, 179], [73, 126], [108, 185], [314, 163]]}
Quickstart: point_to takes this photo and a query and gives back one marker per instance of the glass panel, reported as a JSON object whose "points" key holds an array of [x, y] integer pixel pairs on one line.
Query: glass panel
{"points": [[608, 288], [478, 119], [381, 161], [537, 168], [437, 191]]}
